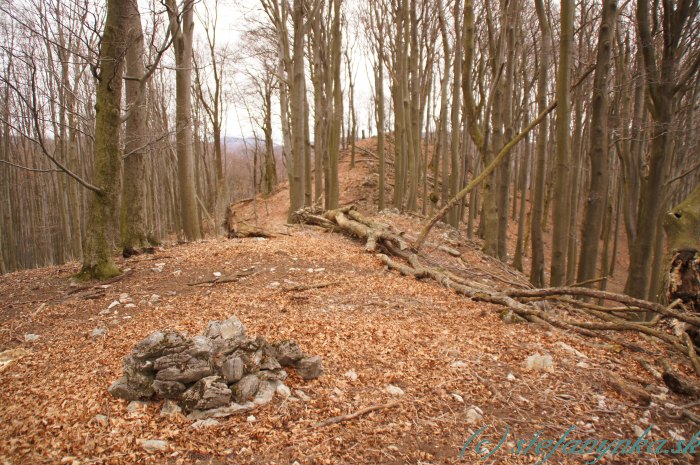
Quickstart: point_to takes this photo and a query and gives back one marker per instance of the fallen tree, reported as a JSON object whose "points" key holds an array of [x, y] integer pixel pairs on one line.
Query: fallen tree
{"points": [[578, 316]]}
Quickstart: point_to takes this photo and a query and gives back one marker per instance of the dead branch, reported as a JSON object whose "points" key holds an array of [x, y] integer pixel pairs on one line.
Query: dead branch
{"points": [[306, 287], [225, 279], [352, 416], [396, 255], [610, 296]]}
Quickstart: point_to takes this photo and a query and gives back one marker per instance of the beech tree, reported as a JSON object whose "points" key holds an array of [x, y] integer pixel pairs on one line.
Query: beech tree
{"points": [[97, 253], [181, 19], [662, 83]]}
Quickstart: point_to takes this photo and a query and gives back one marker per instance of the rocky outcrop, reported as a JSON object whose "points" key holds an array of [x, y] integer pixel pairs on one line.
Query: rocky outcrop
{"points": [[220, 373]]}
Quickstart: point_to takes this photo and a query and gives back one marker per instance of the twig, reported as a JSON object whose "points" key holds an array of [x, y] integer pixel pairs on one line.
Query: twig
{"points": [[225, 279], [352, 416], [306, 287]]}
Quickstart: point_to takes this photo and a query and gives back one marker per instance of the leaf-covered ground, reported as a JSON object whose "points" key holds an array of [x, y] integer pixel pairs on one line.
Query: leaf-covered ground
{"points": [[450, 356]]}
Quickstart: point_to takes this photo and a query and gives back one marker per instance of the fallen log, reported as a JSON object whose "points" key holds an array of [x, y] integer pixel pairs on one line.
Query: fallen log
{"points": [[392, 249]]}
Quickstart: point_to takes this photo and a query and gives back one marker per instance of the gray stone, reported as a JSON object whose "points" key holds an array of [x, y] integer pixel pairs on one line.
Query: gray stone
{"points": [[170, 408], [98, 332], [309, 367], [283, 390], [208, 423], [160, 343], [207, 393], [269, 362], [200, 347], [31, 337], [266, 391], [394, 390], [171, 360], [275, 375], [139, 375], [137, 406], [474, 415], [251, 361], [287, 352], [232, 369], [100, 420], [221, 412], [123, 390], [168, 389], [246, 388], [190, 371], [153, 445], [227, 329]]}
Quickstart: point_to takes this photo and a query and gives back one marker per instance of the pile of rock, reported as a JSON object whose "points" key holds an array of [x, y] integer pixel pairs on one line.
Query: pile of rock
{"points": [[215, 375]]}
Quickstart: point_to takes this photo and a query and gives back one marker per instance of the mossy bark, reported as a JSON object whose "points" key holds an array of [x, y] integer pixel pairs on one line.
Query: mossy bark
{"points": [[97, 251], [682, 224]]}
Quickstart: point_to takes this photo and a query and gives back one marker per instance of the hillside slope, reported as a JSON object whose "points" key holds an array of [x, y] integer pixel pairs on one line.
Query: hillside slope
{"points": [[459, 366]]}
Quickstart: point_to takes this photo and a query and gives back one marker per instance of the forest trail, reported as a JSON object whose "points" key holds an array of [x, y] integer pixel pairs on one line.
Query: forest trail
{"points": [[458, 365]]}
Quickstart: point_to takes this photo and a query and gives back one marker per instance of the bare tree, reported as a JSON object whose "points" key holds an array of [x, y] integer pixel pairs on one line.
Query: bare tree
{"points": [[181, 19]]}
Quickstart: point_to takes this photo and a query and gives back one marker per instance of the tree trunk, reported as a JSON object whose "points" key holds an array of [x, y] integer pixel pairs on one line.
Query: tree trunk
{"points": [[97, 251], [661, 87], [537, 277], [136, 139], [598, 150], [182, 28], [560, 229]]}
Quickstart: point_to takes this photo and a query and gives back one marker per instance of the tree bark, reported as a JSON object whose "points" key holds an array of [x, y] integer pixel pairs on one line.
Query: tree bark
{"points": [[182, 28], [97, 251], [598, 151], [136, 139], [560, 228], [537, 267]]}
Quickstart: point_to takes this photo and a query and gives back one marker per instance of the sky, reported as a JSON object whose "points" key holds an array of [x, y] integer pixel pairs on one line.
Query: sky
{"points": [[235, 17]]}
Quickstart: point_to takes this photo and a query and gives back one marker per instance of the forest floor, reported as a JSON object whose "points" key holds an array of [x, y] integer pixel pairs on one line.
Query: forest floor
{"points": [[460, 367]]}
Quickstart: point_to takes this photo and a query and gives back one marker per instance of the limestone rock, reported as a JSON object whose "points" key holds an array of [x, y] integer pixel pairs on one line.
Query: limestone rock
{"points": [[266, 391], [309, 367], [168, 389], [208, 423], [221, 412], [153, 445], [98, 332], [275, 375], [268, 360], [121, 389], [246, 388], [200, 347], [190, 371], [227, 329], [137, 406], [160, 343], [394, 390], [170, 408], [283, 390], [474, 415], [194, 373], [232, 369], [207, 393], [539, 362], [288, 352]]}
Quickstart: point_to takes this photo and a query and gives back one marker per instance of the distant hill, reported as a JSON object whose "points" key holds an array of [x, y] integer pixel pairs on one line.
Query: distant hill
{"points": [[239, 143]]}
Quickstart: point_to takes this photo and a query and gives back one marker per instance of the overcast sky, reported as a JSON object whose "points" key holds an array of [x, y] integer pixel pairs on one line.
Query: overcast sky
{"points": [[234, 19]]}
